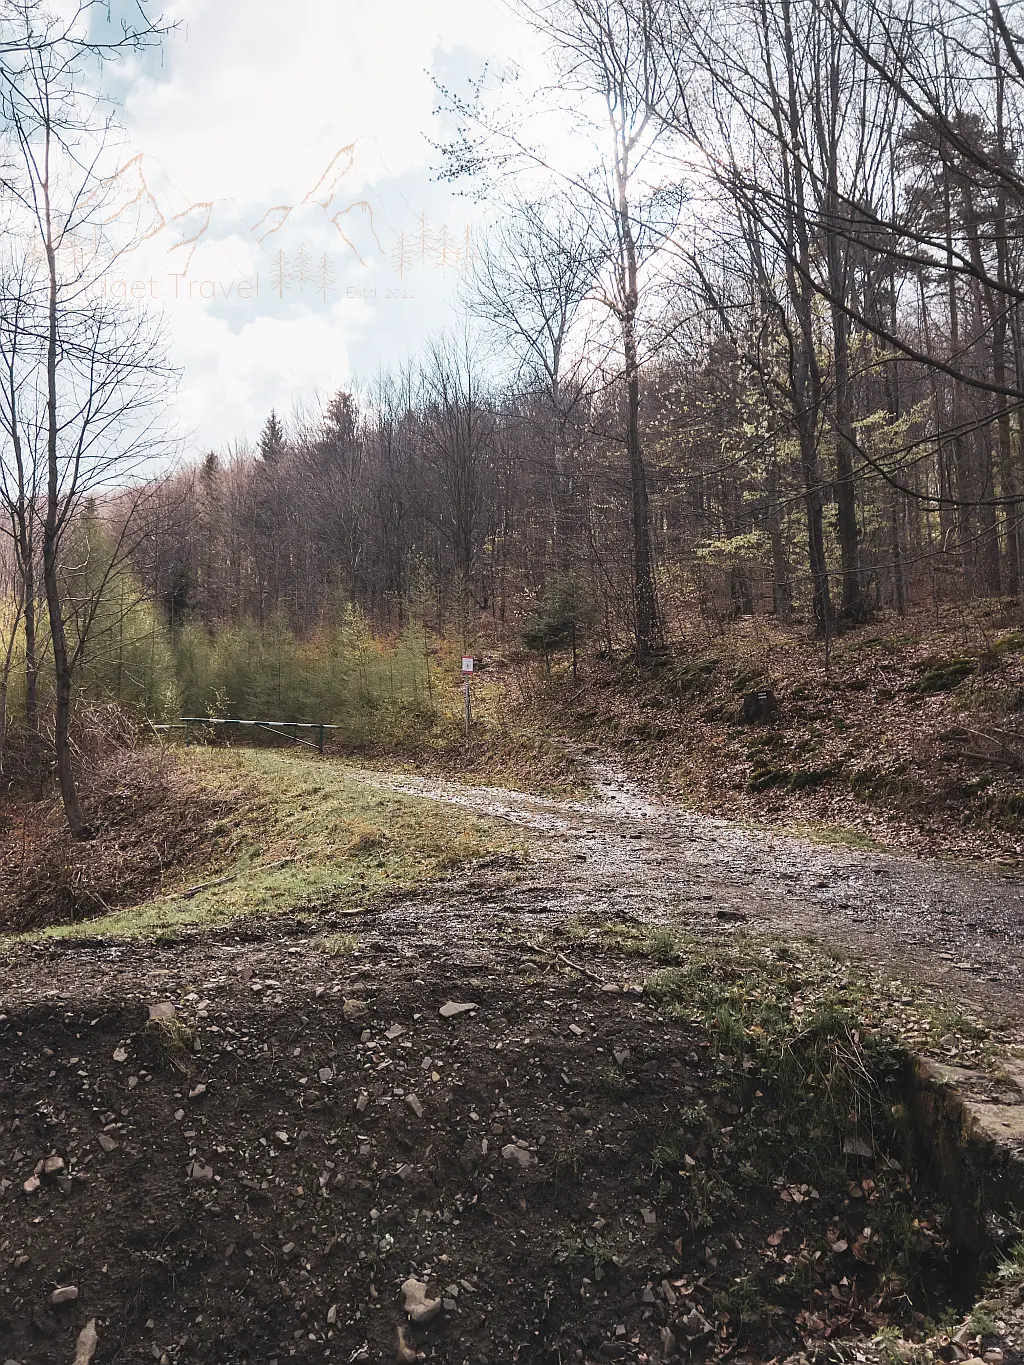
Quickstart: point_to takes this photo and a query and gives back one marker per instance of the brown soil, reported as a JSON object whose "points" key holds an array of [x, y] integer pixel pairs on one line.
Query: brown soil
{"points": [[577, 1172], [151, 816]]}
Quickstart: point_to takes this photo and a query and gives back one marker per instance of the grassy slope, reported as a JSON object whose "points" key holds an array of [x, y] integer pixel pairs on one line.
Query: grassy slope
{"points": [[345, 843]]}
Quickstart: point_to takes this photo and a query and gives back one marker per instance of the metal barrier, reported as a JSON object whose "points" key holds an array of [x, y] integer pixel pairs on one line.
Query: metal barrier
{"points": [[273, 727]]}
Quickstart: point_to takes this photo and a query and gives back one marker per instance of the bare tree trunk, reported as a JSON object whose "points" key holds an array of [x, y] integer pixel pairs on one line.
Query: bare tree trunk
{"points": [[51, 532], [647, 619]]}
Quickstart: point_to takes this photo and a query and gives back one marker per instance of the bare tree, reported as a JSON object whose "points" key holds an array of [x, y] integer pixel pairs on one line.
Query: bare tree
{"points": [[530, 278], [83, 407]]}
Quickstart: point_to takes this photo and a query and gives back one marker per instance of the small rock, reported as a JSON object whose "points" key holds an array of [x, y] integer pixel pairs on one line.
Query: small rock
{"points": [[332, 1314], [406, 1354], [413, 1102], [420, 1309], [669, 1345], [621, 1055], [67, 1294], [120, 1054], [993, 1356], [354, 1009], [648, 1295], [31, 1184], [575, 1028], [85, 1346], [512, 1152], [196, 1091], [53, 1165], [453, 1007], [325, 1074], [198, 1171], [395, 1031], [108, 1143], [163, 1009], [179, 1114], [695, 1325], [856, 1146]]}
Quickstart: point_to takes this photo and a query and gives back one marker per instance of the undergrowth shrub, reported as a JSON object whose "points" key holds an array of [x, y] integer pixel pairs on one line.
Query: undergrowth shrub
{"points": [[342, 675]]}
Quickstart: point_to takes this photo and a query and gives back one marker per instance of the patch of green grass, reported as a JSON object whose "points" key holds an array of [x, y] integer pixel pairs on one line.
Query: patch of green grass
{"points": [[826, 1041], [839, 836], [662, 943], [615, 1085], [314, 836], [341, 945], [1011, 1269], [943, 675], [169, 1040], [983, 1321], [596, 1254]]}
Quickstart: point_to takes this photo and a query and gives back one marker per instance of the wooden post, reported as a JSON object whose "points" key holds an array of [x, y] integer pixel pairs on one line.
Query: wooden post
{"points": [[469, 715]]}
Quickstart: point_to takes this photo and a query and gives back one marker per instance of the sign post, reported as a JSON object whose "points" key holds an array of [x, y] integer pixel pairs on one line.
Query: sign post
{"points": [[467, 673]]}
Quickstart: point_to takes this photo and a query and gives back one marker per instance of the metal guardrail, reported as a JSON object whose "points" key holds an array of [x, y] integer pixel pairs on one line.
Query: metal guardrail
{"points": [[273, 727]]}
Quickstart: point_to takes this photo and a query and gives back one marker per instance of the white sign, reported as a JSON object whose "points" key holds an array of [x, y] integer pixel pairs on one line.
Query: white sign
{"points": [[467, 665]]}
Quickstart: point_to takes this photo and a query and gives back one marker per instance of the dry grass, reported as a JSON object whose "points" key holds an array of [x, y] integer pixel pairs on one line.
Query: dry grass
{"points": [[154, 817]]}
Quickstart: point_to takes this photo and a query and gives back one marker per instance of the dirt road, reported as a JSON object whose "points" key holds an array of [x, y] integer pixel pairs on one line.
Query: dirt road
{"points": [[625, 855]]}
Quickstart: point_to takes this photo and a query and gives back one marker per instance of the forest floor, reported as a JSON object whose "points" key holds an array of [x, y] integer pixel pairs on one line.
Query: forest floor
{"points": [[912, 737], [664, 1120]]}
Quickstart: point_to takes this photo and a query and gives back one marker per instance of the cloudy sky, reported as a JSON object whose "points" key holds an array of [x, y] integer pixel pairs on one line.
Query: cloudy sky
{"points": [[280, 166]]}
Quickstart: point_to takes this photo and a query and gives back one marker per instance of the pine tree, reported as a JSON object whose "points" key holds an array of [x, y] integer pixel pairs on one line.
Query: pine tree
{"points": [[446, 253], [272, 441], [423, 242]]}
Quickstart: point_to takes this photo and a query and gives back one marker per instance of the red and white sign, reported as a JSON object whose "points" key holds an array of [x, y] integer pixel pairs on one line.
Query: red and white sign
{"points": [[467, 665]]}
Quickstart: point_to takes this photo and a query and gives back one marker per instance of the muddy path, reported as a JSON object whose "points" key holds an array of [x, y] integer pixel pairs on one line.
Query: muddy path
{"points": [[625, 855]]}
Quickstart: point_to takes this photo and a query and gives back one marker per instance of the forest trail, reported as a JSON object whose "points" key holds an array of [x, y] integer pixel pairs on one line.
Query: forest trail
{"points": [[625, 855], [237, 1142]]}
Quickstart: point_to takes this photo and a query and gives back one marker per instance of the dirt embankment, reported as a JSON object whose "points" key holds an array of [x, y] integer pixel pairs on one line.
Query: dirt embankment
{"points": [[570, 1174], [152, 817], [912, 737]]}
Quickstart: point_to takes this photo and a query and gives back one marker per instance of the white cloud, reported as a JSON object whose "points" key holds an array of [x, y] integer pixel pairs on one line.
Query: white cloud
{"points": [[235, 127]]}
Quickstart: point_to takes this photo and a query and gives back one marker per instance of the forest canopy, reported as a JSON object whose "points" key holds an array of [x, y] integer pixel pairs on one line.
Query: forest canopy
{"points": [[761, 353]]}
